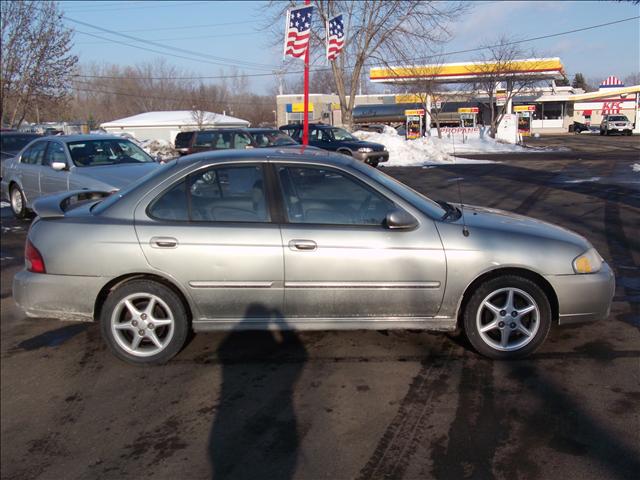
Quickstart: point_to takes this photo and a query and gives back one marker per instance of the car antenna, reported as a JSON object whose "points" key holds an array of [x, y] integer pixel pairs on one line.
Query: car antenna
{"points": [[465, 230]]}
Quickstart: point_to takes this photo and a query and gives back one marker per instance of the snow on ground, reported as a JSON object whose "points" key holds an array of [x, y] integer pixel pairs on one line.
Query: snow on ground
{"points": [[636, 167], [159, 148], [433, 150]]}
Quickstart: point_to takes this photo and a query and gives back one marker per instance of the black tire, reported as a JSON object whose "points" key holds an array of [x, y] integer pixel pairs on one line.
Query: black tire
{"points": [[20, 211], [471, 313], [601, 132], [608, 132], [373, 163], [177, 309], [346, 152]]}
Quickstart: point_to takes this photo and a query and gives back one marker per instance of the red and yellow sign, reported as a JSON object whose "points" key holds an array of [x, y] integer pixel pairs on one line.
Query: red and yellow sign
{"points": [[468, 110], [536, 67], [524, 108], [419, 111]]}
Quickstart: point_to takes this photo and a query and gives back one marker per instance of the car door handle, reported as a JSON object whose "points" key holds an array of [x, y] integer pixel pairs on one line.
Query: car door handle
{"points": [[164, 242], [306, 245]]}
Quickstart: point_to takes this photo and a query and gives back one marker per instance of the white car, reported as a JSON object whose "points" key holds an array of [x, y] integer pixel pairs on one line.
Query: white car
{"points": [[615, 124]]}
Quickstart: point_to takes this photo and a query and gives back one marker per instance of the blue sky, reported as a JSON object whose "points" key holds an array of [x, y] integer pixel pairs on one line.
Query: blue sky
{"points": [[231, 30]]}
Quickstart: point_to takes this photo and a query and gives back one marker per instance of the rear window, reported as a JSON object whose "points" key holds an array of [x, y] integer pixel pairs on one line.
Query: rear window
{"points": [[146, 181], [183, 139], [15, 143]]}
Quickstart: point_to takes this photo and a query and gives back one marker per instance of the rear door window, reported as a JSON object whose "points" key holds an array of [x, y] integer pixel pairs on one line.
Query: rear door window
{"points": [[219, 194], [241, 140], [35, 154]]}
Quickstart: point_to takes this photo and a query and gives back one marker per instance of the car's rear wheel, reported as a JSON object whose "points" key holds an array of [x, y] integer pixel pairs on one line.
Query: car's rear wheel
{"points": [[507, 317], [373, 163], [144, 322], [18, 203]]}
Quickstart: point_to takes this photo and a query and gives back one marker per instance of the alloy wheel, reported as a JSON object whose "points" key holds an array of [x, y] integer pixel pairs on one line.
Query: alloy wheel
{"points": [[508, 319], [142, 324]]}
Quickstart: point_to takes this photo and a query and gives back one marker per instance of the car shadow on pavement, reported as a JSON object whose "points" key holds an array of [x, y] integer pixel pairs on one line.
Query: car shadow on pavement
{"points": [[255, 431]]}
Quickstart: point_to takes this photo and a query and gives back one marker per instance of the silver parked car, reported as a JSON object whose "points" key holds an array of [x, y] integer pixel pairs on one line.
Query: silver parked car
{"points": [[299, 239], [54, 164]]}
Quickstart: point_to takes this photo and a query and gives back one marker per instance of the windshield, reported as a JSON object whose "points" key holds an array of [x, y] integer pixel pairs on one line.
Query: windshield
{"points": [[340, 134], [15, 143], [272, 138], [416, 199], [618, 118], [94, 153]]}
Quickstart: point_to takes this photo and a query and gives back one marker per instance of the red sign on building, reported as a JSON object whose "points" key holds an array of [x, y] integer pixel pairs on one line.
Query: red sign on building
{"points": [[609, 108]]}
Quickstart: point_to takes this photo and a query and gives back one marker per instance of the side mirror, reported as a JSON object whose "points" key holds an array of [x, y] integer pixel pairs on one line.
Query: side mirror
{"points": [[58, 166], [400, 220]]}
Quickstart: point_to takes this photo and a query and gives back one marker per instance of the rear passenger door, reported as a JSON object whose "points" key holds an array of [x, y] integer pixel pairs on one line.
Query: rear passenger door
{"points": [[30, 167], [212, 232]]}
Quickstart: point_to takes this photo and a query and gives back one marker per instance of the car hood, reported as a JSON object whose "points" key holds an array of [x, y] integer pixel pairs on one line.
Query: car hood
{"points": [[356, 144], [513, 223], [117, 176]]}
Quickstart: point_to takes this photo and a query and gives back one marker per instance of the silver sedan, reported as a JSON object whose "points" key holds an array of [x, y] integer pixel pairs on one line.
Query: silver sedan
{"points": [[307, 240], [54, 164]]}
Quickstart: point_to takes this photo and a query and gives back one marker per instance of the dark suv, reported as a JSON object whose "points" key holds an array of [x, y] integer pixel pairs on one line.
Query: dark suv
{"points": [[230, 138], [339, 140], [212, 139]]}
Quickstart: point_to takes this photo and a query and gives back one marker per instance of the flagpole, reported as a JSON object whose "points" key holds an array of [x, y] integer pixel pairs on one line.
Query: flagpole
{"points": [[305, 125]]}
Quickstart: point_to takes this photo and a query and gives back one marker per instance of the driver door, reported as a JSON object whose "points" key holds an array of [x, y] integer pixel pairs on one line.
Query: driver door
{"points": [[51, 180]]}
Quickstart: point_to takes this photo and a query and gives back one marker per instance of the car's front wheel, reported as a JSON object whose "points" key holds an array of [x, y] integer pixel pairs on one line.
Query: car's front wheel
{"points": [[507, 317], [144, 322], [18, 203]]}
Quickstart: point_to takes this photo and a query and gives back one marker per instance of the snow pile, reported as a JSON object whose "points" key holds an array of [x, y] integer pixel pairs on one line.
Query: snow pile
{"points": [[430, 150], [636, 167], [159, 148]]}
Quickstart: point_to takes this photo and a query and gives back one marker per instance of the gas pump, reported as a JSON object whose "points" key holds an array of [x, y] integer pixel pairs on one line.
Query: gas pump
{"points": [[413, 126], [524, 113], [468, 116]]}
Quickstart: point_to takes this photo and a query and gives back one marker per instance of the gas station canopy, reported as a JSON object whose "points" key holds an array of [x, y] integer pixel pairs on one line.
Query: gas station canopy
{"points": [[538, 68]]}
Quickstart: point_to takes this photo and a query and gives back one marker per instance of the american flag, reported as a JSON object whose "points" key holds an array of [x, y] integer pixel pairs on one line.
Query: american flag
{"points": [[296, 39], [335, 37]]}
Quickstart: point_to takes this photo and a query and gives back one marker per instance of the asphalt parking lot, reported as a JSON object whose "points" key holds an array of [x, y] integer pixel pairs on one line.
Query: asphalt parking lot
{"points": [[354, 405]]}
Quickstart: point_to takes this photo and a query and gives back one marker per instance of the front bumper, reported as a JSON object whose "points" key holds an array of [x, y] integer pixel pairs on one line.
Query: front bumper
{"points": [[368, 157], [65, 297], [584, 297]]}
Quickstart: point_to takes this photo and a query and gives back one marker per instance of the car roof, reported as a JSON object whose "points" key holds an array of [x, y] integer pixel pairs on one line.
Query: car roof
{"points": [[85, 137], [13, 133], [293, 153]]}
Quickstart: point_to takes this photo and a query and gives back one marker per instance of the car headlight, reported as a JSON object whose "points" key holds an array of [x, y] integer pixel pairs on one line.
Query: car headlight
{"points": [[384, 149], [365, 149], [589, 262]]}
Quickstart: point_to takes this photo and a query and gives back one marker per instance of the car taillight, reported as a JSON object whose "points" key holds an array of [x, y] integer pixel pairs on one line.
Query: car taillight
{"points": [[33, 259]]}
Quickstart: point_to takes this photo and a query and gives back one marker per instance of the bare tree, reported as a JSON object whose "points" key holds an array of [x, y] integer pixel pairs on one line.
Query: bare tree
{"points": [[632, 79], [497, 72], [376, 31], [36, 64]]}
